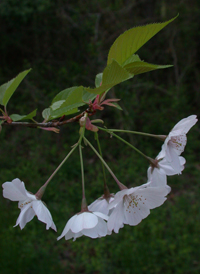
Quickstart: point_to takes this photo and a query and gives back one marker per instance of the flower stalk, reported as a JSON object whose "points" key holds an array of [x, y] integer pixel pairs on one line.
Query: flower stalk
{"points": [[160, 137], [41, 191], [84, 203], [106, 189], [121, 186], [121, 139]]}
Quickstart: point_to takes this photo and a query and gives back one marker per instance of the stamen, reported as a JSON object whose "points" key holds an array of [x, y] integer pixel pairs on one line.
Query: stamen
{"points": [[24, 203], [132, 201]]}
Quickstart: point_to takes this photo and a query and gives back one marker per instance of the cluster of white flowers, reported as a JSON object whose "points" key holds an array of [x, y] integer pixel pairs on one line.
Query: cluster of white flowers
{"points": [[128, 206]]}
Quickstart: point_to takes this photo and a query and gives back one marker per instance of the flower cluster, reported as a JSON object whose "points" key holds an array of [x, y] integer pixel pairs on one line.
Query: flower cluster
{"points": [[110, 212]]}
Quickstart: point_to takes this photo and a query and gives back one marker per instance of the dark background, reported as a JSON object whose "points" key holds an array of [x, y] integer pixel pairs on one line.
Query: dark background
{"points": [[66, 43]]}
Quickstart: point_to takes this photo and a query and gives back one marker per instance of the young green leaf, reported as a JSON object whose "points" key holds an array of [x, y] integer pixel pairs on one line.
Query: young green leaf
{"points": [[17, 117], [67, 102], [113, 74], [46, 114], [131, 59], [133, 39], [62, 111], [73, 93], [98, 79], [7, 89], [87, 96], [49, 114], [71, 98], [57, 104], [142, 67]]}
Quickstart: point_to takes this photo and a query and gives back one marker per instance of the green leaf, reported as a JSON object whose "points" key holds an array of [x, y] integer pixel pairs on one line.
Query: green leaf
{"points": [[133, 39], [98, 79], [46, 114], [88, 96], [113, 74], [57, 104], [17, 117], [68, 95], [67, 102], [7, 90], [142, 67], [68, 99], [49, 114], [73, 94], [131, 59], [62, 111]]}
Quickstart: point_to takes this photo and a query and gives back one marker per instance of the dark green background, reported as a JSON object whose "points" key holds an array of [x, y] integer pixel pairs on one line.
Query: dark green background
{"points": [[66, 43]]}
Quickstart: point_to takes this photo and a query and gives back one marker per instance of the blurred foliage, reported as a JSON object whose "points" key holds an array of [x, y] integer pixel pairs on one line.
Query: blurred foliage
{"points": [[66, 44]]}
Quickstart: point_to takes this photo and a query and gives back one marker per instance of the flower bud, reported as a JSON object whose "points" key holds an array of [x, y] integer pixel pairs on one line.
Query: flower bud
{"points": [[82, 121]]}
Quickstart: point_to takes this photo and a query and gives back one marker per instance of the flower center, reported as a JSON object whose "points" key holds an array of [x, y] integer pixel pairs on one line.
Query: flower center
{"points": [[178, 142], [131, 201], [24, 203]]}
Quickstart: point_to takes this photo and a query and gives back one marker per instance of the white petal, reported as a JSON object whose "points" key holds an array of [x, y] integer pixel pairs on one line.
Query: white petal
{"points": [[100, 205], [153, 196], [77, 235], [102, 228], [68, 235], [118, 197], [21, 204], [157, 177], [97, 204], [178, 143], [162, 153], [25, 216], [101, 215], [14, 191], [84, 220], [43, 214], [165, 167], [66, 230], [92, 232], [173, 158], [135, 209], [186, 124], [182, 160], [115, 221], [132, 217]]}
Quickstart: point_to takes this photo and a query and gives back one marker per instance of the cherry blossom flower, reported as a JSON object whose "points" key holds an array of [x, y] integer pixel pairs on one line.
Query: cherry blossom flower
{"points": [[158, 172], [101, 204], [28, 203], [86, 223], [134, 204], [176, 141]]}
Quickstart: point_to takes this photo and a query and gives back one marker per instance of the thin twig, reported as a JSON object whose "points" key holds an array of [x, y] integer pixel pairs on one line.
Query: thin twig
{"points": [[51, 123]]}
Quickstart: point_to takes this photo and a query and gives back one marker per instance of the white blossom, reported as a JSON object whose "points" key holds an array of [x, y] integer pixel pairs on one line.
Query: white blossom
{"points": [[28, 204], [176, 141], [134, 204], [101, 205], [86, 223], [157, 175]]}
